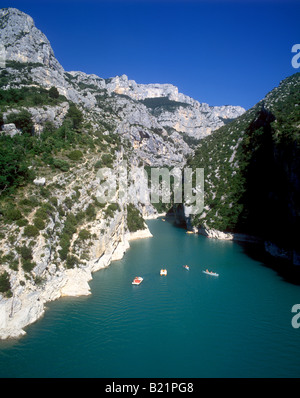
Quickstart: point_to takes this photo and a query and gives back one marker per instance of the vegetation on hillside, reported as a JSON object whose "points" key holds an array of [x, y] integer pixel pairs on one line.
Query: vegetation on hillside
{"points": [[159, 104], [252, 168], [29, 212], [135, 221], [30, 96]]}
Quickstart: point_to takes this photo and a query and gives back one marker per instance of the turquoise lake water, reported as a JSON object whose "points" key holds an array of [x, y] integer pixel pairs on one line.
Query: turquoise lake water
{"points": [[186, 324]]}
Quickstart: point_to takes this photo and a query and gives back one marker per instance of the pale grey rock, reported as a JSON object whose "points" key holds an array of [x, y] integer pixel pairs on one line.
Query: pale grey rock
{"points": [[10, 129], [39, 181], [196, 119], [23, 42], [40, 116]]}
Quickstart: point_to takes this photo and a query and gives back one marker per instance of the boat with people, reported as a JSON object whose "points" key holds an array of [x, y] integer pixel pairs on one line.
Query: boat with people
{"points": [[163, 272], [137, 280], [186, 267], [210, 273]]}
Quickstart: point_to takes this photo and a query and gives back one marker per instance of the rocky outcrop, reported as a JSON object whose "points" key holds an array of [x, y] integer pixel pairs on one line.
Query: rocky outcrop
{"points": [[10, 130], [23, 42], [40, 181], [215, 234], [196, 119], [274, 250], [40, 115]]}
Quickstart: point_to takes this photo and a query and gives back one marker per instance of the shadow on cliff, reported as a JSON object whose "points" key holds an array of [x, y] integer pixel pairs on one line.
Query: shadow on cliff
{"points": [[284, 268], [271, 194]]}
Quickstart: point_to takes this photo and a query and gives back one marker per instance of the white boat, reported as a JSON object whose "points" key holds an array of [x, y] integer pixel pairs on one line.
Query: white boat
{"points": [[137, 280], [210, 273], [163, 272], [187, 267]]}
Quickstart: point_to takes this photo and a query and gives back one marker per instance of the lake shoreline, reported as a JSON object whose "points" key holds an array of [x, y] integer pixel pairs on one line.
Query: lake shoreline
{"points": [[72, 283]]}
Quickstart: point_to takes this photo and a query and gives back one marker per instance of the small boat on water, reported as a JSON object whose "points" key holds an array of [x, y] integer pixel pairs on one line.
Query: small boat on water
{"points": [[163, 272], [189, 232], [187, 267], [137, 280], [210, 273], [163, 219]]}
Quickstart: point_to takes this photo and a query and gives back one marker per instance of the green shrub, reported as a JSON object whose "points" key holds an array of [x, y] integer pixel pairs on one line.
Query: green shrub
{"points": [[75, 116], [53, 92], [22, 120], [38, 280], [53, 200], [70, 225], [22, 222], [29, 202], [39, 223], [135, 221], [13, 164], [67, 233], [90, 212], [41, 213], [12, 214], [45, 193], [68, 202], [98, 165], [84, 234], [61, 211], [80, 216], [60, 164], [26, 253], [107, 160], [28, 265], [71, 262], [110, 210], [14, 265], [63, 253], [31, 231], [75, 155], [4, 282]]}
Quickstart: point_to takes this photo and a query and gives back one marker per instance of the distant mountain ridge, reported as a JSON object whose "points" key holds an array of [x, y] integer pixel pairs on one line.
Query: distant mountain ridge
{"points": [[25, 43]]}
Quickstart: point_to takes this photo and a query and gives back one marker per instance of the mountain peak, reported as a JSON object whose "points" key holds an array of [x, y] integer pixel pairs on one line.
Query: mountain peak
{"points": [[23, 42]]}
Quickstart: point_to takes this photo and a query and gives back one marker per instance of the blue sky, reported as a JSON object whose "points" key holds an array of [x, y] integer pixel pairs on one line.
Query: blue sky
{"points": [[218, 52]]}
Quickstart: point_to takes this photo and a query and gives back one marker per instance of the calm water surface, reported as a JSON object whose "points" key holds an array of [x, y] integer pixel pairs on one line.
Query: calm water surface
{"points": [[186, 324]]}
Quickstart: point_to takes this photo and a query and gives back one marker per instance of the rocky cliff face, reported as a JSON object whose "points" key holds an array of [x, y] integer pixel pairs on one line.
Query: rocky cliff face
{"points": [[55, 234], [189, 116], [99, 234], [23, 42]]}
